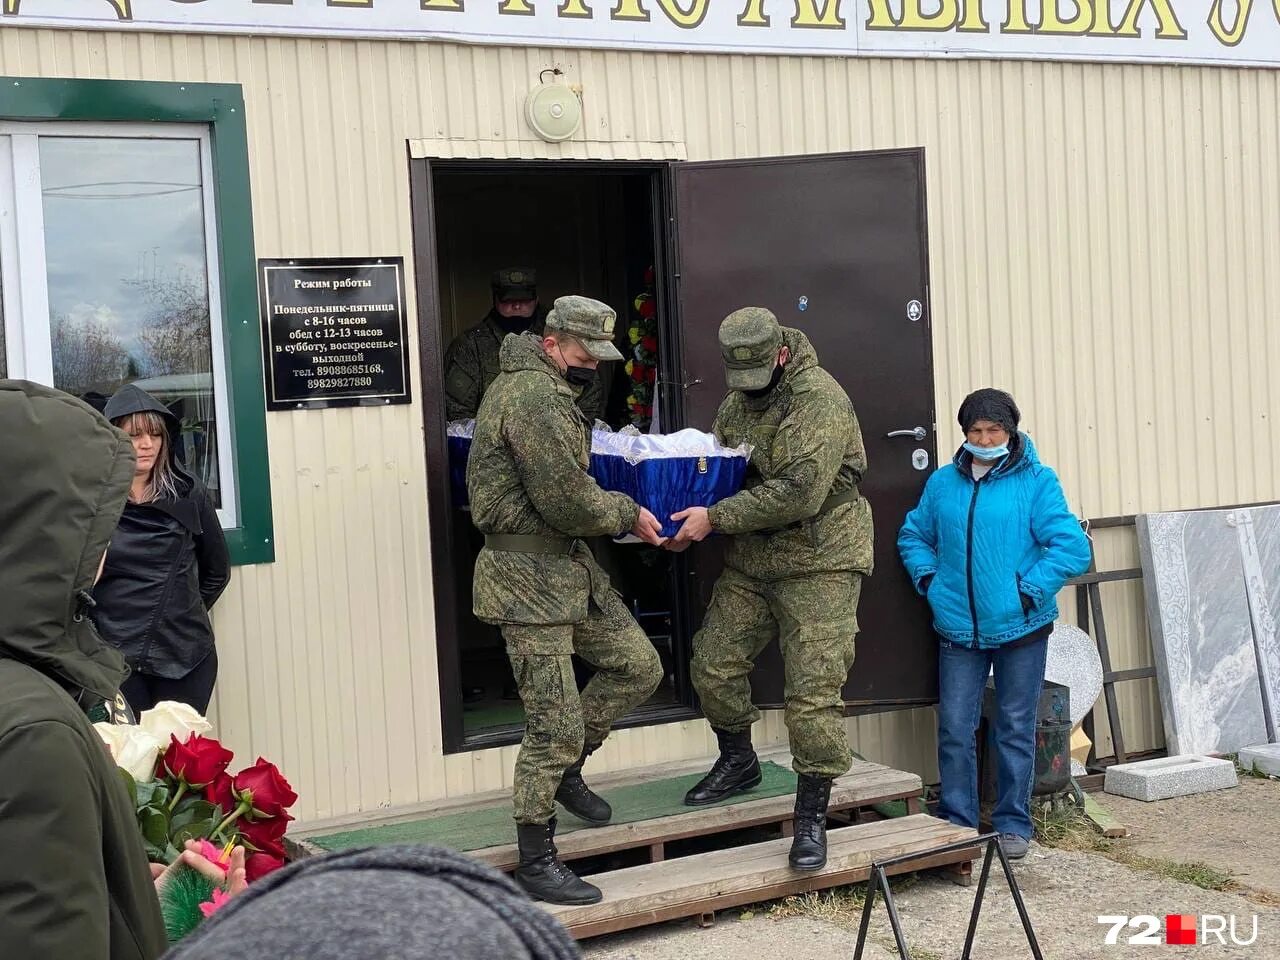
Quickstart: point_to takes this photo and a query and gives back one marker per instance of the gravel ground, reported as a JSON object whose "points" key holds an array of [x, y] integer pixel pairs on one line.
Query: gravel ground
{"points": [[1065, 891]]}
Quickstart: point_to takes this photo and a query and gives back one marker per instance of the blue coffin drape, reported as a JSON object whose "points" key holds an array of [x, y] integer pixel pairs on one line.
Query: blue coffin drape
{"points": [[663, 472]]}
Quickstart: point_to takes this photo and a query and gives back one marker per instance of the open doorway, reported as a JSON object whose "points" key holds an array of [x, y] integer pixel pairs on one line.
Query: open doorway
{"points": [[835, 245], [581, 229]]}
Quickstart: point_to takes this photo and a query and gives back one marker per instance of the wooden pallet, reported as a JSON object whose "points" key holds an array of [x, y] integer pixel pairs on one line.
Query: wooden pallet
{"points": [[865, 784], [701, 884]]}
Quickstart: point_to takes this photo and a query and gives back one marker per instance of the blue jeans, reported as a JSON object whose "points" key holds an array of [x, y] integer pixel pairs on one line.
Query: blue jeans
{"points": [[962, 677]]}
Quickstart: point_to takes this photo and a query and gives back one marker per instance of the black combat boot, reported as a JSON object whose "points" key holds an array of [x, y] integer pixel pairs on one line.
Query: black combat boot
{"points": [[737, 769], [541, 874], [575, 796], [809, 845]]}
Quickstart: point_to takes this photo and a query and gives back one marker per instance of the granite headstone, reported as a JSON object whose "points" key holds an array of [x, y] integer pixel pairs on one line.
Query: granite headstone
{"points": [[1201, 632]]}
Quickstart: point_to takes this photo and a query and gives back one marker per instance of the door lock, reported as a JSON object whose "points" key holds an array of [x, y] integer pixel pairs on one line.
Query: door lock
{"points": [[918, 433]]}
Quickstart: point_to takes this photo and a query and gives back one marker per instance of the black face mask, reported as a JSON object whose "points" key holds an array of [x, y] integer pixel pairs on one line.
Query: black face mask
{"points": [[576, 376], [580, 376], [512, 324], [772, 385]]}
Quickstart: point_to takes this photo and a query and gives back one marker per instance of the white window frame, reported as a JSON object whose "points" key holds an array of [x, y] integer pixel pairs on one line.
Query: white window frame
{"points": [[24, 273]]}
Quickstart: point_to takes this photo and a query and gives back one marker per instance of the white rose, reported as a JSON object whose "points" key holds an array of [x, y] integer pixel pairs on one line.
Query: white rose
{"points": [[111, 736], [171, 718], [137, 752]]}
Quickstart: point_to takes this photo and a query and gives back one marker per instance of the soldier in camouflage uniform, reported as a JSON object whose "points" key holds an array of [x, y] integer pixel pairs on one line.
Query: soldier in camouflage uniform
{"points": [[800, 542], [471, 363], [533, 499]]}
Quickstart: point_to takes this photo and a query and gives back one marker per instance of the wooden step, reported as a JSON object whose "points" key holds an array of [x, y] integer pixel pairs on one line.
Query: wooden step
{"points": [[703, 883], [865, 784]]}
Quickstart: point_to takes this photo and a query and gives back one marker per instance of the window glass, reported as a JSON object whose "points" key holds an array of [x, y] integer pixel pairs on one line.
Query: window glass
{"points": [[128, 283]]}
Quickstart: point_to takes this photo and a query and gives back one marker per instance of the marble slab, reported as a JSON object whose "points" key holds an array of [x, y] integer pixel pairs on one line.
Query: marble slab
{"points": [[1170, 777], [1259, 533], [1261, 759], [1201, 632]]}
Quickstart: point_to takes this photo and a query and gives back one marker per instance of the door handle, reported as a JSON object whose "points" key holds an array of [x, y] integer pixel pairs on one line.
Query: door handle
{"points": [[918, 433]]}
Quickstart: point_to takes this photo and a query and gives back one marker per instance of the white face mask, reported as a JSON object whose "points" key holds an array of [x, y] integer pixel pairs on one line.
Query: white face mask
{"points": [[987, 453]]}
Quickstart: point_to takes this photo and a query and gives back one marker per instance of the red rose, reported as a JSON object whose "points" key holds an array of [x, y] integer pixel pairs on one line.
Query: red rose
{"points": [[648, 277], [264, 836], [267, 791], [647, 309], [197, 762], [258, 865], [219, 792], [650, 344]]}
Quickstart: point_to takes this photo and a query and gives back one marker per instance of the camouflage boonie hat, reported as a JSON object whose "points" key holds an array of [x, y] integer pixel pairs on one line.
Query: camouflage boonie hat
{"points": [[750, 339], [515, 283], [588, 321]]}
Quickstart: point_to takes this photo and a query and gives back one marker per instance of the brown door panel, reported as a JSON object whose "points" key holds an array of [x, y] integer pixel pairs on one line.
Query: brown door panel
{"points": [[834, 245]]}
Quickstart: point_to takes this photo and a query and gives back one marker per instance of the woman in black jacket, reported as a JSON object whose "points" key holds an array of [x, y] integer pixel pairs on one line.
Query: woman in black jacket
{"points": [[166, 565]]}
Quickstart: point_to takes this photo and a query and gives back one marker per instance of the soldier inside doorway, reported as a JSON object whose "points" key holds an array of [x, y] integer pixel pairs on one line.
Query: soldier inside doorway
{"points": [[471, 363]]}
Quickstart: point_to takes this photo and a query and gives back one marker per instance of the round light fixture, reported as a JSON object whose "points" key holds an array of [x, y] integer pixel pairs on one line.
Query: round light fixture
{"points": [[553, 111]]}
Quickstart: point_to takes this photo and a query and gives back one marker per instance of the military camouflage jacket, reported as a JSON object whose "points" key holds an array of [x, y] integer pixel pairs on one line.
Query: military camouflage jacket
{"points": [[471, 364], [527, 474], [807, 447]]}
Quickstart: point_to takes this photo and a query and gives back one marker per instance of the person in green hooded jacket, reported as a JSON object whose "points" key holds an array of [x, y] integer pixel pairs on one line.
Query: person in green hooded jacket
{"points": [[74, 884], [74, 879]]}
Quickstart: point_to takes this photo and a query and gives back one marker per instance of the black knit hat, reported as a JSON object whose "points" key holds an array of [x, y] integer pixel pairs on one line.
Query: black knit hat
{"points": [[392, 903], [989, 404]]}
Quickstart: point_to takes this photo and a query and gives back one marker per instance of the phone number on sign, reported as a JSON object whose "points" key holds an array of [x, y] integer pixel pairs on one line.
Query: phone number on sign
{"points": [[331, 370], [328, 383]]}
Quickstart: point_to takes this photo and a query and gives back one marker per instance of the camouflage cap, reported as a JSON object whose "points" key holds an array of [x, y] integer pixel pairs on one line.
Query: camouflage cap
{"points": [[515, 283], [750, 339], [588, 321]]}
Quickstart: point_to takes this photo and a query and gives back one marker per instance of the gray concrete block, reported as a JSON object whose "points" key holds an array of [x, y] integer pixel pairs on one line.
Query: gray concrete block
{"points": [[1167, 777], [1263, 759]]}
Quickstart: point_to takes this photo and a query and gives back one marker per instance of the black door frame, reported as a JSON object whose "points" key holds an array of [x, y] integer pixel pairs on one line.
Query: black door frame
{"points": [[431, 366], [672, 408]]}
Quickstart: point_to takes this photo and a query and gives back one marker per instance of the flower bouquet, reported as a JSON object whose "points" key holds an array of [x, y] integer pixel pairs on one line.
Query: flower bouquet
{"points": [[177, 776], [642, 368]]}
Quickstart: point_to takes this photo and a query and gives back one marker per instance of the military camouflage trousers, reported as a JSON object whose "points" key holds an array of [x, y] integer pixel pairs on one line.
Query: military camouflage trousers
{"points": [[815, 619], [559, 720]]}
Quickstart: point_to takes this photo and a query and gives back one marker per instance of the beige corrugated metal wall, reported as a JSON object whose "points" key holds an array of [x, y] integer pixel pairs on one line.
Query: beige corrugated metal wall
{"points": [[1103, 243]]}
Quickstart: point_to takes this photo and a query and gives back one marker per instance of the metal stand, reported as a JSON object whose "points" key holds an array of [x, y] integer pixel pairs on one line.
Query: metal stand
{"points": [[879, 878], [1089, 606]]}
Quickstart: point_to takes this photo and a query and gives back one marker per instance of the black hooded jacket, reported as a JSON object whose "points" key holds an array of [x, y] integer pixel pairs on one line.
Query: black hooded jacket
{"points": [[166, 566], [74, 882]]}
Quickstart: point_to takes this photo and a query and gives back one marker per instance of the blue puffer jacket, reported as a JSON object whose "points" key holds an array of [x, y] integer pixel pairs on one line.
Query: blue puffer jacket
{"points": [[989, 543]]}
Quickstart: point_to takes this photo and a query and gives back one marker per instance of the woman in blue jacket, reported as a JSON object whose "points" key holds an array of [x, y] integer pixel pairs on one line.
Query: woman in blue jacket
{"points": [[990, 544]]}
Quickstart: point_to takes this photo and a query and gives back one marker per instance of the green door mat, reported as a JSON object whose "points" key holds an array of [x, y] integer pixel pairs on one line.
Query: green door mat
{"points": [[489, 827]]}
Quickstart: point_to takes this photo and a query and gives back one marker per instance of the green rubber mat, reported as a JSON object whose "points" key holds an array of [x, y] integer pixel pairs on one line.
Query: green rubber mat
{"points": [[489, 827], [496, 715]]}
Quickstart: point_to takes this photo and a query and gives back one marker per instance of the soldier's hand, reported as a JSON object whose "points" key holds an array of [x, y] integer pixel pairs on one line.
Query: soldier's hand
{"points": [[676, 547], [696, 526], [648, 529]]}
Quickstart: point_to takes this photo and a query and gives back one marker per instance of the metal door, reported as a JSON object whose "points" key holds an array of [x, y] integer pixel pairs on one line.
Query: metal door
{"points": [[834, 245]]}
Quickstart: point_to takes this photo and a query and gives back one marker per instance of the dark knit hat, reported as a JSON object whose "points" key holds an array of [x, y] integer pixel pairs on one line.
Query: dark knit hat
{"points": [[989, 404], [389, 903]]}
